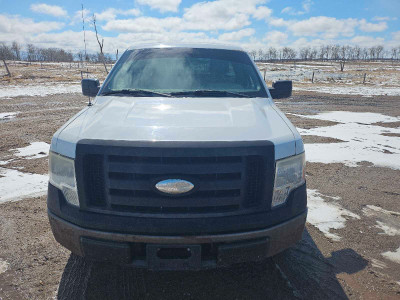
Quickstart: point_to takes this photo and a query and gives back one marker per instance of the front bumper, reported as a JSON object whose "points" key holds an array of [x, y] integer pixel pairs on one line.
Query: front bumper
{"points": [[199, 251]]}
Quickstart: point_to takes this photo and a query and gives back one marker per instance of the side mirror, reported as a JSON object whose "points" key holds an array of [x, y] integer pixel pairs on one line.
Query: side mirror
{"points": [[90, 87], [281, 89]]}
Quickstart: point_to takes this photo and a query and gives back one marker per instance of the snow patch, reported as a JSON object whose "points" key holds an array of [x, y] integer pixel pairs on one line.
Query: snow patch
{"points": [[371, 210], [378, 264], [15, 185], [326, 215], [365, 91], [363, 141], [4, 162], [3, 266], [7, 115], [389, 230], [39, 90], [34, 150], [393, 256], [388, 221]]}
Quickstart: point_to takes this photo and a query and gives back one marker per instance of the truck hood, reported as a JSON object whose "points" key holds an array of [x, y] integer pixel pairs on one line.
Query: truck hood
{"points": [[177, 119]]}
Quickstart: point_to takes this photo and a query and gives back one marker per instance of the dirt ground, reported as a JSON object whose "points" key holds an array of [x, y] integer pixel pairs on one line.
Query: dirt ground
{"points": [[34, 266]]}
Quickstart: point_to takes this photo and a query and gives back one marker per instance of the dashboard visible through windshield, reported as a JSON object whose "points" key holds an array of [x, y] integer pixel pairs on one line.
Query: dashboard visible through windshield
{"points": [[184, 72]]}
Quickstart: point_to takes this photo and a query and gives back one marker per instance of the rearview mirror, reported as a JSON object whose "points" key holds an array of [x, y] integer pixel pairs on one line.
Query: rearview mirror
{"points": [[281, 89], [90, 87]]}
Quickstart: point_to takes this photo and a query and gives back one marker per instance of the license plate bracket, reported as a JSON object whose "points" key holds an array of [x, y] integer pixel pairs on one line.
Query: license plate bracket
{"points": [[173, 257]]}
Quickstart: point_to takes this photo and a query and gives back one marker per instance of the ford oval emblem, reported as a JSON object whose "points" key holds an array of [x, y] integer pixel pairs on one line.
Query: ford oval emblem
{"points": [[174, 186]]}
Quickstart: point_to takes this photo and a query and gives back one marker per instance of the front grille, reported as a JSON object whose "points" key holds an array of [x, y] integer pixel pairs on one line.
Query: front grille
{"points": [[227, 180]]}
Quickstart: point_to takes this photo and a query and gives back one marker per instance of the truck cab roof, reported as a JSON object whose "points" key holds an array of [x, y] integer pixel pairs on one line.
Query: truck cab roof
{"points": [[187, 45]]}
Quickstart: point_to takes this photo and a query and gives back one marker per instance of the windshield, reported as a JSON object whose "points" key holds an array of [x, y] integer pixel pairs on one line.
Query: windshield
{"points": [[181, 72]]}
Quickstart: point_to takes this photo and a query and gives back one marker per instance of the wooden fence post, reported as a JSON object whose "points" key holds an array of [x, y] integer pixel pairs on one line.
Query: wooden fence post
{"points": [[312, 79], [365, 75]]}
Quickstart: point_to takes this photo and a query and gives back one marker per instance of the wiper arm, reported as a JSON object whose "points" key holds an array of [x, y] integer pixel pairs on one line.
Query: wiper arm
{"points": [[134, 92], [210, 92]]}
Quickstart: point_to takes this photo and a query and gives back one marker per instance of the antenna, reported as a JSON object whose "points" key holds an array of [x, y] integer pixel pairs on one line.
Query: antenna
{"points": [[84, 32]]}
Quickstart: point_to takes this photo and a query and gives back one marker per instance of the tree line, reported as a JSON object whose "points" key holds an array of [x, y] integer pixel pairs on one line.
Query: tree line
{"points": [[31, 53], [327, 52]]}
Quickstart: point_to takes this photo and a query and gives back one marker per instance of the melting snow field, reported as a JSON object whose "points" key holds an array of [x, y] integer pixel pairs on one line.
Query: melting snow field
{"points": [[34, 150], [38, 90], [366, 91], [363, 141], [393, 256], [16, 185], [326, 215]]}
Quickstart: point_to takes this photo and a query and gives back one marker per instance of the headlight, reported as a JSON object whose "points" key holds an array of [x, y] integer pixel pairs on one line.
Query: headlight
{"points": [[62, 176], [289, 174]]}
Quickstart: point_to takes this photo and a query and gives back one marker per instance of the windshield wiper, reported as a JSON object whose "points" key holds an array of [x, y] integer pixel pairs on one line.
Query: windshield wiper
{"points": [[134, 92], [210, 93]]}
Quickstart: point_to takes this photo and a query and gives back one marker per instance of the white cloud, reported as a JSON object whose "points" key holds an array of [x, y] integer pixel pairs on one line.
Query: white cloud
{"points": [[204, 16], [396, 36], [279, 22], [77, 17], [20, 29], [52, 10], [372, 27], [326, 26], [68, 40], [367, 41], [161, 5], [306, 5], [380, 19], [143, 24], [221, 14], [275, 38], [207, 21], [237, 35], [111, 13], [262, 12]]}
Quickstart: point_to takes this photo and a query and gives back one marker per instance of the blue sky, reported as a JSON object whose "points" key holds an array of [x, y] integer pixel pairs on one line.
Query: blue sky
{"points": [[253, 24]]}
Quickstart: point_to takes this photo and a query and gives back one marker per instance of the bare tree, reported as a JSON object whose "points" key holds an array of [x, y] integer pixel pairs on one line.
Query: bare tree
{"points": [[272, 53], [253, 53], [305, 53], [285, 53], [291, 54], [16, 49], [394, 52], [372, 53], [260, 54], [31, 52], [322, 52], [313, 53], [101, 44], [379, 50], [357, 52], [5, 53]]}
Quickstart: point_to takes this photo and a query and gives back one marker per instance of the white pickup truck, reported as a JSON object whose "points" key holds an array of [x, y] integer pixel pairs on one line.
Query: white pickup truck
{"points": [[181, 162]]}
